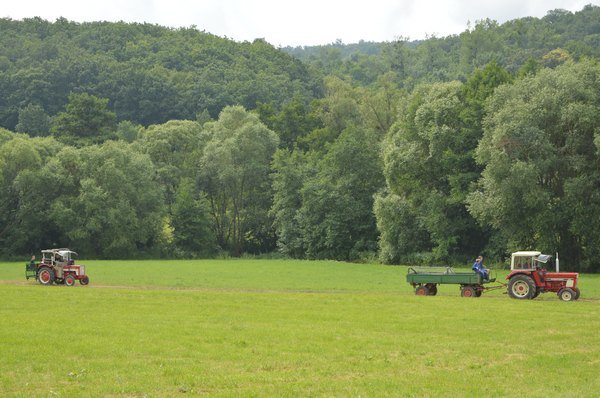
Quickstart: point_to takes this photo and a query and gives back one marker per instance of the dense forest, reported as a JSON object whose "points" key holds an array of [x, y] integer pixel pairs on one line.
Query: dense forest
{"points": [[127, 140]]}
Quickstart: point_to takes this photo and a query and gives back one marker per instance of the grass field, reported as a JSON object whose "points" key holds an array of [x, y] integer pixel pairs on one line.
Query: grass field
{"points": [[287, 328]]}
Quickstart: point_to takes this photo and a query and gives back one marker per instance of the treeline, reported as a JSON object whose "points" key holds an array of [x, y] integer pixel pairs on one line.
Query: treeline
{"points": [[549, 40], [149, 74], [404, 169]]}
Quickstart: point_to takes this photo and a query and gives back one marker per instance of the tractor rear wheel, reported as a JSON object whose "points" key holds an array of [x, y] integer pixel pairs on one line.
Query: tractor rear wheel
{"points": [[45, 276], [422, 291], [577, 293], [85, 280], [468, 291], [70, 280], [521, 287], [566, 294]]}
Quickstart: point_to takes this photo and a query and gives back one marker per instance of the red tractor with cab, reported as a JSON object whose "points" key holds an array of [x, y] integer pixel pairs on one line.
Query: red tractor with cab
{"points": [[57, 266], [528, 277]]}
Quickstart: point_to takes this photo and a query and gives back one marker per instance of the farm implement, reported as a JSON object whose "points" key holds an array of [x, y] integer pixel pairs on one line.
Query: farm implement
{"points": [[527, 279], [425, 281], [57, 266]]}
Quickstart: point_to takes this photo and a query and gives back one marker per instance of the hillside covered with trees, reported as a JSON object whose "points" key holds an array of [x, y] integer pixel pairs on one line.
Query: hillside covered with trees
{"points": [[133, 140]]}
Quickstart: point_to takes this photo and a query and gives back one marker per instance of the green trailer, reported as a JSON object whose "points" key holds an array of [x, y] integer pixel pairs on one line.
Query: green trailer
{"points": [[426, 279]]}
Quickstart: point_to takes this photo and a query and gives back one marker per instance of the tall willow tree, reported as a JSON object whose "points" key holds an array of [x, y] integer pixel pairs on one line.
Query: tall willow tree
{"points": [[429, 164], [234, 173]]}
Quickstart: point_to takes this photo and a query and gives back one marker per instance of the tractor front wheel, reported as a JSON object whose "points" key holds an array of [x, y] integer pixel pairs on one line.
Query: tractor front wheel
{"points": [[577, 293], [70, 280], [521, 287], [45, 276], [85, 280], [468, 291], [566, 294]]}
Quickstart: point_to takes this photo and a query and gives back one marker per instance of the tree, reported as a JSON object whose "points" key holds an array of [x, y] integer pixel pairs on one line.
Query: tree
{"points": [[539, 186], [18, 156], [336, 217], [86, 120], [173, 148], [295, 120], [323, 199], [290, 171], [128, 131], [234, 173], [428, 167], [338, 110], [401, 233], [192, 231], [26, 194], [110, 203], [33, 120]]}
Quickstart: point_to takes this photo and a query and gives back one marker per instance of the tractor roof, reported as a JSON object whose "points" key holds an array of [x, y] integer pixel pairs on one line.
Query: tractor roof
{"points": [[61, 251], [526, 254]]}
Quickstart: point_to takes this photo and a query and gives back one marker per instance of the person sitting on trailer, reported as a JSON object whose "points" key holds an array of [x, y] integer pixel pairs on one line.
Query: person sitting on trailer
{"points": [[480, 269]]}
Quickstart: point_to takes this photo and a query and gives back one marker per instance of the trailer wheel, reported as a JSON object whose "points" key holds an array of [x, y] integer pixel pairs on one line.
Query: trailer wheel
{"points": [[521, 287], [566, 294], [70, 280], [85, 280], [467, 291], [478, 293], [432, 289], [577, 293], [45, 276], [422, 291]]}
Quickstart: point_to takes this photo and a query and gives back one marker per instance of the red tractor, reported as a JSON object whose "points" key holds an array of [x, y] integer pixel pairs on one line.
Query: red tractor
{"points": [[528, 277], [57, 266]]}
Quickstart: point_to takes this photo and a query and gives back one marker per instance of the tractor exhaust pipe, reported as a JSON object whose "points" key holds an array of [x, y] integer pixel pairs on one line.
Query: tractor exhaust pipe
{"points": [[557, 262]]}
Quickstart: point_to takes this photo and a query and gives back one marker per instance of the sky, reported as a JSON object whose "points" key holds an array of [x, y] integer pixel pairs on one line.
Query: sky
{"points": [[296, 23]]}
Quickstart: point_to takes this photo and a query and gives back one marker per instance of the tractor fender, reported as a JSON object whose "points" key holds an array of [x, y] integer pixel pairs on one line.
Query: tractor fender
{"points": [[538, 279]]}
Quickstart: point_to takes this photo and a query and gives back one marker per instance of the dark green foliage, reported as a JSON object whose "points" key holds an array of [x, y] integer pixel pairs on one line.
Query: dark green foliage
{"points": [[149, 74], [154, 152], [173, 148], [33, 120], [295, 120], [192, 232], [109, 203], [455, 57], [85, 121], [323, 206], [541, 178], [234, 174]]}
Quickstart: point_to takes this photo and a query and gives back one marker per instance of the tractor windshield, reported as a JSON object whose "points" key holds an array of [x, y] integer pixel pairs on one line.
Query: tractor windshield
{"points": [[543, 258]]}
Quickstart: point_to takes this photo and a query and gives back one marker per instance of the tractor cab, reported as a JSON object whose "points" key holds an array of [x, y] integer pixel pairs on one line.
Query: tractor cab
{"points": [[58, 257], [529, 260]]}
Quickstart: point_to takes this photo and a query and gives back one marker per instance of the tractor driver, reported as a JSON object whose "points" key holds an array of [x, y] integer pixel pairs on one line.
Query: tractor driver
{"points": [[480, 269]]}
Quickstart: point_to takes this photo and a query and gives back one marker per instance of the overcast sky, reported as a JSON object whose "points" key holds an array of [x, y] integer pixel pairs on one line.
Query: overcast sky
{"points": [[306, 22]]}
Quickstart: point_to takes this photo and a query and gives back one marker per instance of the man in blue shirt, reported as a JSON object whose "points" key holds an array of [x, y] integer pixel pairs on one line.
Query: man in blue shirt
{"points": [[480, 269]]}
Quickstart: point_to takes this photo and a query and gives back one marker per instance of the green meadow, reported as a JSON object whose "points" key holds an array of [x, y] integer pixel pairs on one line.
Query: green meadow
{"points": [[285, 328]]}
